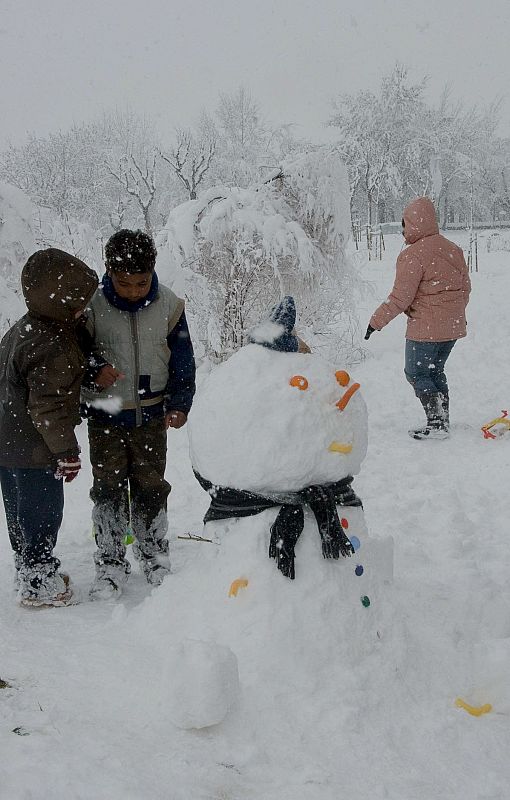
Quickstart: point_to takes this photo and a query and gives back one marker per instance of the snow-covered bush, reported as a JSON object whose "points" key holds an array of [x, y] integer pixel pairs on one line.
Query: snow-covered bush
{"points": [[66, 233], [17, 242], [25, 228], [234, 252]]}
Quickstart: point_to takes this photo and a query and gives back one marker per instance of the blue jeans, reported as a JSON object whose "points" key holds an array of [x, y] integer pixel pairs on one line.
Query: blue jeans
{"points": [[34, 506], [424, 366]]}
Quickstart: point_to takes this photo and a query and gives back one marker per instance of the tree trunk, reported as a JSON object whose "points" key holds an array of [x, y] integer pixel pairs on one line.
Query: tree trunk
{"points": [[369, 207]]}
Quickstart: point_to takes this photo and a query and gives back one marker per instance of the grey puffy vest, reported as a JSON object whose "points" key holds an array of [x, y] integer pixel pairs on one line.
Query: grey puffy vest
{"points": [[135, 343]]}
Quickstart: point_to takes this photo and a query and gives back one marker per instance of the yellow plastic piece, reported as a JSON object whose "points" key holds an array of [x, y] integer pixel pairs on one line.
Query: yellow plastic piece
{"points": [[239, 583], [338, 447], [475, 711]]}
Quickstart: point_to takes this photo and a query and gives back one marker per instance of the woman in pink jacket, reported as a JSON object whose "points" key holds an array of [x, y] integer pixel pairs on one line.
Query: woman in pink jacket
{"points": [[432, 287]]}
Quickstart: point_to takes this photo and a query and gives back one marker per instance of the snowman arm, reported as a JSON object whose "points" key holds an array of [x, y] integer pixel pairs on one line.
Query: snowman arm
{"points": [[180, 387]]}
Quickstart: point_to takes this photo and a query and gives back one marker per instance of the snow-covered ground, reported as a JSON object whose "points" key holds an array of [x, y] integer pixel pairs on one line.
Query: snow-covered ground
{"points": [[87, 715]]}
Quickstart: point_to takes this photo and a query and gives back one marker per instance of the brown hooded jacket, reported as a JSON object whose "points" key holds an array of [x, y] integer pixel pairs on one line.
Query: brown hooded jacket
{"points": [[42, 363], [432, 282]]}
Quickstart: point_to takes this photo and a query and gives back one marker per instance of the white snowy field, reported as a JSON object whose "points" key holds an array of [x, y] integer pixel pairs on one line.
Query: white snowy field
{"points": [[86, 716]]}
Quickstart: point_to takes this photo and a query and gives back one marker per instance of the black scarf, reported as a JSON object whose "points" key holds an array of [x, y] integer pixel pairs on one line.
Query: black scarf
{"points": [[288, 525]]}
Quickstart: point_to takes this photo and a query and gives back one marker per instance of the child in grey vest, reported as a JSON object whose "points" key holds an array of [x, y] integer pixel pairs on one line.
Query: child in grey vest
{"points": [[144, 384]]}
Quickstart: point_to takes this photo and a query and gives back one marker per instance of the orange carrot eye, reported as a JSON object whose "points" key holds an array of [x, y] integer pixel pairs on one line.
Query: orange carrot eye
{"points": [[342, 377], [299, 381]]}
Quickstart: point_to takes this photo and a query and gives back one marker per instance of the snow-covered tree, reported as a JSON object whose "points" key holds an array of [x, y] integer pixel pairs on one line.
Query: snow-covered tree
{"points": [[137, 176], [397, 146], [374, 135], [234, 252], [103, 173], [191, 157]]}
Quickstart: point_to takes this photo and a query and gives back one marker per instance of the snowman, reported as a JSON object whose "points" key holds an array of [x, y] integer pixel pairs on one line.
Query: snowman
{"points": [[276, 427], [282, 598]]}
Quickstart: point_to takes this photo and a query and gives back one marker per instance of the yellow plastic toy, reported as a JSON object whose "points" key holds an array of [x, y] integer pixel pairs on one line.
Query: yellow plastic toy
{"points": [[501, 425], [239, 583], [475, 711]]}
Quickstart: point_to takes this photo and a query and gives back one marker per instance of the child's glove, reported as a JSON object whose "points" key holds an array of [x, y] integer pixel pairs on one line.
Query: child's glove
{"points": [[107, 376], [369, 332], [175, 419], [68, 468]]}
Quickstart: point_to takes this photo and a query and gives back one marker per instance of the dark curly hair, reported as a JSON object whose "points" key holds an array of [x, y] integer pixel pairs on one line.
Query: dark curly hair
{"points": [[130, 251]]}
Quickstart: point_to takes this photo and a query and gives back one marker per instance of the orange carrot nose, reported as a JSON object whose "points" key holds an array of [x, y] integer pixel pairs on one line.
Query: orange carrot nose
{"points": [[347, 396]]}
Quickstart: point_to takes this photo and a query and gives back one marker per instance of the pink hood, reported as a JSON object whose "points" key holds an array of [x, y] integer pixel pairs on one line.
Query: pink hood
{"points": [[420, 220]]}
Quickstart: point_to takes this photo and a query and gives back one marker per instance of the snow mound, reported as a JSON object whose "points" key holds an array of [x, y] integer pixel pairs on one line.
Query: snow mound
{"points": [[203, 683], [303, 647]]}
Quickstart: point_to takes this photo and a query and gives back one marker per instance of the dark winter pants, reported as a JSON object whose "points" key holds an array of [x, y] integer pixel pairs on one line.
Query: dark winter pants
{"points": [[424, 366], [34, 506], [128, 467]]}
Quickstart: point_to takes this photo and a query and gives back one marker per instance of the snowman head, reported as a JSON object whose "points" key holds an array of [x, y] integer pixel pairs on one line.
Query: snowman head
{"points": [[270, 421]]}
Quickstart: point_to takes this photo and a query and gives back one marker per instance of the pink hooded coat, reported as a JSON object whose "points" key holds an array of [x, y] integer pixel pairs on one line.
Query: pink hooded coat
{"points": [[432, 282]]}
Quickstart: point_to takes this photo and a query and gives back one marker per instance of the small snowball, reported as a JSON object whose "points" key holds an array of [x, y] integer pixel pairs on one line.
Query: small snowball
{"points": [[203, 683], [112, 405]]}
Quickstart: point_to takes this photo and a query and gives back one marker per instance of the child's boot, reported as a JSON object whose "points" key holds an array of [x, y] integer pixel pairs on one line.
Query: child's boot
{"points": [[42, 585], [151, 548], [110, 579], [155, 569]]}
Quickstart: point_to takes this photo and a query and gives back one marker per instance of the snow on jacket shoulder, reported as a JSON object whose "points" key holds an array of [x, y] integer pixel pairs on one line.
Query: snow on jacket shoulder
{"points": [[432, 283]]}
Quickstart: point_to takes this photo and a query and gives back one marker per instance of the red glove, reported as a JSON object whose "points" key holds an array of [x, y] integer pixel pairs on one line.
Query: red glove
{"points": [[68, 468]]}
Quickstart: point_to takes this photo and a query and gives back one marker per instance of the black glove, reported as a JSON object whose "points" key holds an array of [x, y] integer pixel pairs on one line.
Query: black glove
{"points": [[369, 332]]}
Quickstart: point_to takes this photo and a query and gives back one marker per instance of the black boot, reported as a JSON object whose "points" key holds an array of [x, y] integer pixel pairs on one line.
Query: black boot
{"points": [[436, 427], [445, 405]]}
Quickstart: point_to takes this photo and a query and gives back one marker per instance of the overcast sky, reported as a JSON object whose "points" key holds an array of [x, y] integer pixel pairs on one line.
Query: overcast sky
{"points": [[64, 61]]}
